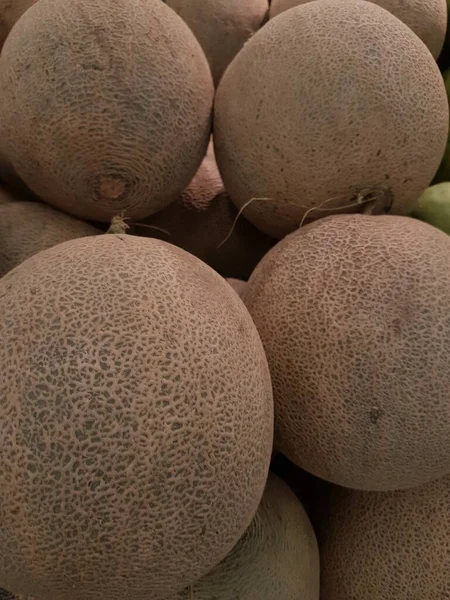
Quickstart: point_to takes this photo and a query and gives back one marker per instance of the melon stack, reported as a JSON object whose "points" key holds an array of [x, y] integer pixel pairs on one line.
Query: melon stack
{"points": [[224, 343]]}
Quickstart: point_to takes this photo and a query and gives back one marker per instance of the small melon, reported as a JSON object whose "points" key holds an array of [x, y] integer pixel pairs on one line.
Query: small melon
{"points": [[386, 545], [277, 557], [433, 206], [329, 106], [205, 222], [136, 420], [26, 228], [10, 12], [106, 106], [222, 26], [353, 312], [427, 18]]}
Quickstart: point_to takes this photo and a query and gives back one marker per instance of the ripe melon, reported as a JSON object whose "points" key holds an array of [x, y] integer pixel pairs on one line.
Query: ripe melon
{"points": [[136, 420], [26, 228], [10, 12], [106, 105], [386, 545], [202, 221], [277, 557], [238, 285], [427, 18], [353, 312], [222, 26], [329, 104]]}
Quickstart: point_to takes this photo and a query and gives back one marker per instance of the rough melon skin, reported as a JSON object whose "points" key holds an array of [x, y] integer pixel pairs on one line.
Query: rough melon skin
{"points": [[427, 18], [386, 546], [26, 228], [106, 105], [136, 420], [10, 12], [353, 312], [222, 26], [277, 557], [203, 222], [326, 103]]}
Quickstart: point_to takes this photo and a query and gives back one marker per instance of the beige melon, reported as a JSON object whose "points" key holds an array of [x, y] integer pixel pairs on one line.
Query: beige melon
{"points": [[329, 105], [106, 106], [277, 557], [205, 222], [238, 285], [353, 312], [427, 18], [26, 228], [222, 26], [10, 12], [386, 545], [137, 423]]}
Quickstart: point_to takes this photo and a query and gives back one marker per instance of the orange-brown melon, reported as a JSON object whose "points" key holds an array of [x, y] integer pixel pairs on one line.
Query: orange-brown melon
{"points": [[353, 312], [137, 423], [106, 105]]}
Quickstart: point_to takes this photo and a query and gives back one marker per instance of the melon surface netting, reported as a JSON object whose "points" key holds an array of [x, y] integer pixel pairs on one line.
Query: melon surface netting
{"points": [[136, 418], [354, 315], [106, 106], [329, 103]]}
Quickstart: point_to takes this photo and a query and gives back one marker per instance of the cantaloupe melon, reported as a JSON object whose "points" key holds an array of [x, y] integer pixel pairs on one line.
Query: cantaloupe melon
{"points": [[353, 312], [328, 105], [238, 285], [26, 228], [203, 222], [222, 26], [277, 557], [136, 420], [386, 545], [427, 18], [10, 12], [106, 106]]}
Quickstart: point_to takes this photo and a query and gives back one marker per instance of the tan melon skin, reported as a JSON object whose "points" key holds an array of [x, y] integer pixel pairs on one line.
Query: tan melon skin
{"points": [[353, 312], [203, 222], [136, 420], [26, 228], [327, 101], [277, 557], [221, 26], [386, 546], [10, 12], [427, 18], [238, 285], [106, 106]]}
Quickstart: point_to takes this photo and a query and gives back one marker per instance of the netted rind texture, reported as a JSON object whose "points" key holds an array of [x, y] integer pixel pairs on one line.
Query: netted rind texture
{"points": [[277, 557], [26, 228], [106, 105], [136, 421], [205, 222], [386, 545], [327, 102], [353, 312], [427, 18], [10, 12], [221, 26]]}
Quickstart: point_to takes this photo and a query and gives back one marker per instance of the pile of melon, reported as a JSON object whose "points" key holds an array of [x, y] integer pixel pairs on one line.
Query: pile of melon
{"points": [[224, 300]]}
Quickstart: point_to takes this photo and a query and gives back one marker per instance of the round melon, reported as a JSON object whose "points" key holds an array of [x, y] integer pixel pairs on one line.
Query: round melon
{"points": [[353, 312], [26, 228], [277, 557], [136, 424], [106, 106], [386, 545], [433, 206], [331, 105], [427, 18], [10, 12], [205, 222], [238, 285], [222, 26]]}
